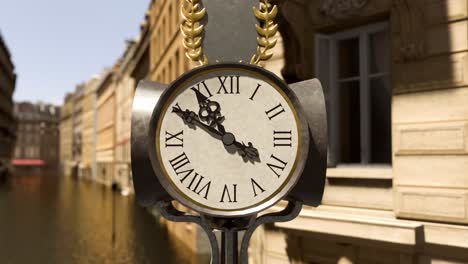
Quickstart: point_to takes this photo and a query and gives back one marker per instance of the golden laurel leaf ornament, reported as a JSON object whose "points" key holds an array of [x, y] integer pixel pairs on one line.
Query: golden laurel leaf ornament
{"points": [[265, 42], [192, 30]]}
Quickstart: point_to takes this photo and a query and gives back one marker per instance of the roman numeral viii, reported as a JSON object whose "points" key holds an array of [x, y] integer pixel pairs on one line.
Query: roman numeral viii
{"points": [[277, 165], [282, 138], [174, 140], [229, 84], [275, 111], [230, 195], [194, 181]]}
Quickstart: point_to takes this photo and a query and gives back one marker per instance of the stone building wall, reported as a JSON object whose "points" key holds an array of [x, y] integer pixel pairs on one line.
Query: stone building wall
{"points": [[66, 135], [105, 130], [88, 146], [411, 208], [7, 121]]}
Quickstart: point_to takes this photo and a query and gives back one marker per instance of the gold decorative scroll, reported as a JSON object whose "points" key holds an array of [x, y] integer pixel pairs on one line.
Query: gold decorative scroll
{"points": [[265, 42], [192, 31]]}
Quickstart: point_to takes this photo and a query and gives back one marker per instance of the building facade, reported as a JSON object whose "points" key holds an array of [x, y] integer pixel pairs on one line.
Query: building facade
{"points": [[167, 61], [66, 136], [105, 129], [37, 142], [126, 85], [77, 129], [7, 120], [394, 76], [88, 145]]}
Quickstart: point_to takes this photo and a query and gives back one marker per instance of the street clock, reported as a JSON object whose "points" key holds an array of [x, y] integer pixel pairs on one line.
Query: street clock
{"points": [[228, 139]]}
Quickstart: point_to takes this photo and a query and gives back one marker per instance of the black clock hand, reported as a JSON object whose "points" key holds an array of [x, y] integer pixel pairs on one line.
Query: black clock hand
{"points": [[192, 118], [248, 151]]}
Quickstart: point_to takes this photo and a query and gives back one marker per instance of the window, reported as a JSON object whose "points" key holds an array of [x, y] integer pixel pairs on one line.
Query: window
{"points": [[354, 69]]}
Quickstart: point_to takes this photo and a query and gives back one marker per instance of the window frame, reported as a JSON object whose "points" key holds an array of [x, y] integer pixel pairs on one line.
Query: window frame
{"points": [[332, 92]]}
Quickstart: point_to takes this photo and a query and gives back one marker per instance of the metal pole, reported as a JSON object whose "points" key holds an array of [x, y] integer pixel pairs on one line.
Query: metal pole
{"points": [[229, 247]]}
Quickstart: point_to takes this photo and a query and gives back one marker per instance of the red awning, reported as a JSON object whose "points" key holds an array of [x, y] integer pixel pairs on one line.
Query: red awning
{"points": [[27, 162]]}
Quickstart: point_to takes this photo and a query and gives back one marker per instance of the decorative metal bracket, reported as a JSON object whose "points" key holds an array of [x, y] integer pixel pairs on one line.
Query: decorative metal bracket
{"points": [[226, 250]]}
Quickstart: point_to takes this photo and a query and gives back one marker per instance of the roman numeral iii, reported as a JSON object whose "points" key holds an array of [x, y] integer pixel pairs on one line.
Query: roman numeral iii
{"points": [[277, 165], [275, 111], [174, 140], [282, 138], [229, 84], [230, 196]]}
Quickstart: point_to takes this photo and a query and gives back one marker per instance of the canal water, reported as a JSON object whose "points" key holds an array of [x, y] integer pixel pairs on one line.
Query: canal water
{"points": [[46, 219]]}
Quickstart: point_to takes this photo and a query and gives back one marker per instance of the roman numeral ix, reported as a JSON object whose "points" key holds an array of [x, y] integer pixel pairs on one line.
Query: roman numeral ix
{"points": [[175, 140]]}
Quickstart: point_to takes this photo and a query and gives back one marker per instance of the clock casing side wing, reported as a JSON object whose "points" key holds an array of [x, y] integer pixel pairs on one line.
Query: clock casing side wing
{"points": [[311, 184], [147, 187]]}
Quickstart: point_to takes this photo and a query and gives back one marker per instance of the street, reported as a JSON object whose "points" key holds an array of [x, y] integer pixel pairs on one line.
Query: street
{"points": [[52, 219]]}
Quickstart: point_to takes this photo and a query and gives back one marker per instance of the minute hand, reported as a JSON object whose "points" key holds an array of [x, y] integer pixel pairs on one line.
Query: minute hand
{"points": [[192, 118]]}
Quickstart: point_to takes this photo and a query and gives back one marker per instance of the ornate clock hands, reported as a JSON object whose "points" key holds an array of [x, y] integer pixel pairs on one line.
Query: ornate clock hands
{"points": [[191, 118], [248, 152]]}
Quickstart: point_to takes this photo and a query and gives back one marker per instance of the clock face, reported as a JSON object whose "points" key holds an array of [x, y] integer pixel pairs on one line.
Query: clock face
{"points": [[229, 140]]}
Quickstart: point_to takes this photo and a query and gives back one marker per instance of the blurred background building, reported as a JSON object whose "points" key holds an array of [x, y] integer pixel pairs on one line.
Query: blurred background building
{"points": [[395, 78], [66, 135], [7, 120], [37, 144]]}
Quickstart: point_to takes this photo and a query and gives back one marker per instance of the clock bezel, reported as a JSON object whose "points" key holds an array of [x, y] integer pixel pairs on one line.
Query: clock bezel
{"points": [[257, 72]]}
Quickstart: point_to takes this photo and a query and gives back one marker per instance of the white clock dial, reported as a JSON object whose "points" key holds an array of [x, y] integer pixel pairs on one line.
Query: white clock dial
{"points": [[228, 140]]}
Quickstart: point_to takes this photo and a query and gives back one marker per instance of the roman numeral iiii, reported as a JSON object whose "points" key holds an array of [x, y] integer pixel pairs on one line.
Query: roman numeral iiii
{"points": [[277, 165]]}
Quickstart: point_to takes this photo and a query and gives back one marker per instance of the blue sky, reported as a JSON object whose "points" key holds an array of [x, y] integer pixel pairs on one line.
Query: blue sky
{"points": [[57, 44]]}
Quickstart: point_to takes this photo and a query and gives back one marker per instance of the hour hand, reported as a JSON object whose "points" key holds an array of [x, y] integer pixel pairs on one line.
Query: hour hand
{"points": [[248, 152]]}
